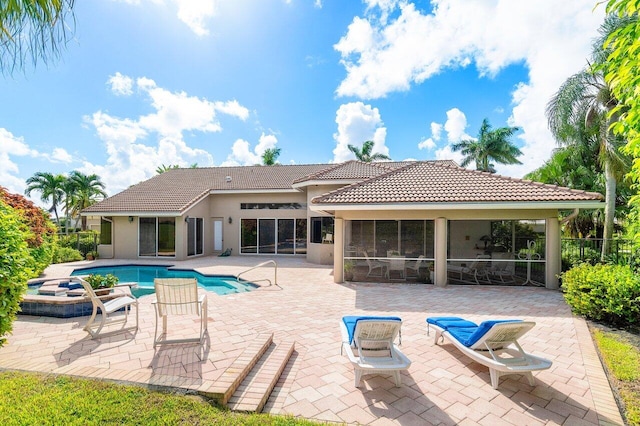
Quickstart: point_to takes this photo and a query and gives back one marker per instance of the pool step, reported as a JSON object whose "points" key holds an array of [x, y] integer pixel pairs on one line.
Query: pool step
{"points": [[253, 393], [223, 388]]}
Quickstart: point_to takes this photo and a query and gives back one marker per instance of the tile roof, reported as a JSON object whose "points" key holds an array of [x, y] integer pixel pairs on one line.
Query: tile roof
{"points": [[446, 182], [177, 189], [356, 170]]}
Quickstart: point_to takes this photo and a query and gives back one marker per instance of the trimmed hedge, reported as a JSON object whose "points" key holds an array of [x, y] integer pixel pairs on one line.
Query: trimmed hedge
{"points": [[15, 266], [66, 254], [609, 293]]}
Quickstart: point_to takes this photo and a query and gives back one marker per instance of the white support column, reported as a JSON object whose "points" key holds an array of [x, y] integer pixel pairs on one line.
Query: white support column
{"points": [[553, 253], [440, 252], [338, 252]]}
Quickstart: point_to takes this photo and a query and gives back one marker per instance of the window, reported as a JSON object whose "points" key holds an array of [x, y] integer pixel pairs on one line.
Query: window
{"points": [[157, 236], [320, 227], [273, 206], [273, 236], [195, 236], [106, 224]]}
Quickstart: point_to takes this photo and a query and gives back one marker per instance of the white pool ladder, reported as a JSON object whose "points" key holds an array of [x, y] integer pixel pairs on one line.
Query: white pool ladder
{"points": [[260, 265]]}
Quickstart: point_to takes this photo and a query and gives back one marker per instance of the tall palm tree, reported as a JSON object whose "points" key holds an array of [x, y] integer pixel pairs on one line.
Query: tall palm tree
{"points": [[51, 188], [270, 155], [87, 190], [33, 30], [164, 168], [491, 145], [579, 115], [365, 154]]}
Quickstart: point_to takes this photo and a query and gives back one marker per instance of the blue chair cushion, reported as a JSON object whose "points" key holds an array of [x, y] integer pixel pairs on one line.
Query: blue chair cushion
{"points": [[73, 286], [469, 336], [351, 321], [448, 322]]}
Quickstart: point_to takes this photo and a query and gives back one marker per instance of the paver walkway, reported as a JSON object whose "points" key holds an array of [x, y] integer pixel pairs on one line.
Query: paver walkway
{"points": [[442, 387]]}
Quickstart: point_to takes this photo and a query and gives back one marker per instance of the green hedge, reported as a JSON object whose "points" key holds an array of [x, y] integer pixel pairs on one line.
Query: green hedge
{"points": [[66, 254], [15, 266], [609, 293]]}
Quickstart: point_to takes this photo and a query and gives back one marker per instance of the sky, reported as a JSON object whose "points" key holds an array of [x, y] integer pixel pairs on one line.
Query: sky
{"points": [[145, 83]]}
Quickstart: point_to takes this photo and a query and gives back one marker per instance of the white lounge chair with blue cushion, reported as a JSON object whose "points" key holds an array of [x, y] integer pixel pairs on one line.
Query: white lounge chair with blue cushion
{"points": [[369, 344], [492, 343]]}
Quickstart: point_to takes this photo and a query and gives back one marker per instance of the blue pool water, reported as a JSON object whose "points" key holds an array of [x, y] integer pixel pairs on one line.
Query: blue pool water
{"points": [[144, 275]]}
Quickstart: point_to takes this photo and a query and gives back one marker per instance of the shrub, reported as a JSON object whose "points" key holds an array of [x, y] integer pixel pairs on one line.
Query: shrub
{"points": [[609, 293], [41, 238], [15, 266], [66, 254], [102, 281]]}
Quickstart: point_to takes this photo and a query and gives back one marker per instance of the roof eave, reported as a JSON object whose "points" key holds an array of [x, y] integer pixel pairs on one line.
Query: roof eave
{"points": [[511, 205]]}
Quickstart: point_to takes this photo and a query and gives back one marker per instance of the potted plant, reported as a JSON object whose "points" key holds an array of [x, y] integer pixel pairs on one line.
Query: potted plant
{"points": [[92, 255], [348, 270], [102, 284]]}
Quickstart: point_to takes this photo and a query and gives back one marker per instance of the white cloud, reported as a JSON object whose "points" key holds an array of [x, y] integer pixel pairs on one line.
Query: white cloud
{"points": [[428, 144], [455, 125], [121, 85], [382, 56], [194, 13], [436, 130], [242, 155], [135, 147], [358, 123], [11, 145], [61, 155]]}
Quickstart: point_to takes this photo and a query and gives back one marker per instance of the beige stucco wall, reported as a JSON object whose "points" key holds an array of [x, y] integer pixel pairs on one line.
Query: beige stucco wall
{"points": [[322, 254], [125, 238]]}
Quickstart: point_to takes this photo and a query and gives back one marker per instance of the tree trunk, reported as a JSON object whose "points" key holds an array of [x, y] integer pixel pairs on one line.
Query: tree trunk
{"points": [[609, 210]]}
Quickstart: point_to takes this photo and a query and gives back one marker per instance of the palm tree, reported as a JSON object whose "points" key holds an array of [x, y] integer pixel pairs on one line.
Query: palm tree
{"points": [[365, 154], [33, 29], [51, 188], [270, 155], [579, 115], [491, 145], [87, 189], [162, 168]]}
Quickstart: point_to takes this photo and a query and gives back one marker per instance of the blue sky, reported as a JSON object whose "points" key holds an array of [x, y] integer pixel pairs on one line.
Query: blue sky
{"points": [[151, 82]]}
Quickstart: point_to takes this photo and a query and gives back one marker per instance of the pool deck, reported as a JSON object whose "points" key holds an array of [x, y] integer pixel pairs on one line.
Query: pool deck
{"points": [[442, 387]]}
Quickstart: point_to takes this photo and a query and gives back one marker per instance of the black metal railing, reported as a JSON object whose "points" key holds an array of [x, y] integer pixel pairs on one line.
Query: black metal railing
{"points": [[577, 250]]}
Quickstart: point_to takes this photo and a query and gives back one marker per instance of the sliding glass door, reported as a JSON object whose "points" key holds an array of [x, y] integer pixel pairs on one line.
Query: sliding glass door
{"points": [[157, 237], [273, 236]]}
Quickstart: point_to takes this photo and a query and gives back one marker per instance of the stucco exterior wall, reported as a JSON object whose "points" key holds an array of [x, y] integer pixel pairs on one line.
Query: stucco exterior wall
{"points": [[322, 254], [125, 237]]}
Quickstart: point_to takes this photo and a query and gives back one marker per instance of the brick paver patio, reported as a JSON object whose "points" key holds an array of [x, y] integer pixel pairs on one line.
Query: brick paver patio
{"points": [[442, 387]]}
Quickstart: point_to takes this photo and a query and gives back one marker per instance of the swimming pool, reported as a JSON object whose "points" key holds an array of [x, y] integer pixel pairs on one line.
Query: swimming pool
{"points": [[144, 276]]}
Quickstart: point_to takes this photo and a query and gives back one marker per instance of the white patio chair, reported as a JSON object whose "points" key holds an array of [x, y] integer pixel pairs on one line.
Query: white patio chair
{"points": [[503, 269], [178, 296], [415, 267], [369, 345], [108, 306], [328, 238], [396, 264], [493, 344], [373, 265], [475, 273]]}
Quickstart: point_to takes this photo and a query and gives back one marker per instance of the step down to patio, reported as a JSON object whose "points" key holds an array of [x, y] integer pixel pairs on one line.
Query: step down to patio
{"points": [[223, 388], [253, 393]]}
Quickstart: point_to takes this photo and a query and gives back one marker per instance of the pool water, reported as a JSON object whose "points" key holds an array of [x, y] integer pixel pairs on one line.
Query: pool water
{"points": [[144, 276]]}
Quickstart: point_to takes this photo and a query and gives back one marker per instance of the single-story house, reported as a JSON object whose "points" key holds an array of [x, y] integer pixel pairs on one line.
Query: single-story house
{"points": [[387, 220]]}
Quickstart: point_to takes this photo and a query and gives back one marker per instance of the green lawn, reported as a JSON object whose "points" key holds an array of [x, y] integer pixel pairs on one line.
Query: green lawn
{"points": [[622, 359], [36, 399]]}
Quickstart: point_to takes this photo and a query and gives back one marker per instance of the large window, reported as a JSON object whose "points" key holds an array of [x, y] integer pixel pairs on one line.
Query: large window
{"points": [[320, 227], [195, 236], [157, 236], [273, 236], [106, 224], [387, 238]]}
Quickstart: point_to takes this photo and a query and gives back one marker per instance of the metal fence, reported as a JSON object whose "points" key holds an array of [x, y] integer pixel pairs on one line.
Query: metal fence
{"points": [[84, 242], [576, 250]]}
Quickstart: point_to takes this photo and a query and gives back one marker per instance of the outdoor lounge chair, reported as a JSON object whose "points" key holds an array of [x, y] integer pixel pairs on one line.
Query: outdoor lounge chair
{"points": [[415, 267], [475, 273], [178, 296], [502, 268], [492, 343], [108, 306], [369, 344]]}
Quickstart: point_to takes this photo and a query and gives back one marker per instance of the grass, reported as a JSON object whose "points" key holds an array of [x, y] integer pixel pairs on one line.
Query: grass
{"points": [[623, 362], [30, 398]]}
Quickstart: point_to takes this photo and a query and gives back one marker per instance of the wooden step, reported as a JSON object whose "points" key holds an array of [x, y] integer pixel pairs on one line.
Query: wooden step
{"points": [[253, 393], [223, 388]]}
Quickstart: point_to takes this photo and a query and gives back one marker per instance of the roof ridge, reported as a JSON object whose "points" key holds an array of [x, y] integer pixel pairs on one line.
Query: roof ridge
{"points": [[524, 181], [367, 181], [325, 170]]}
